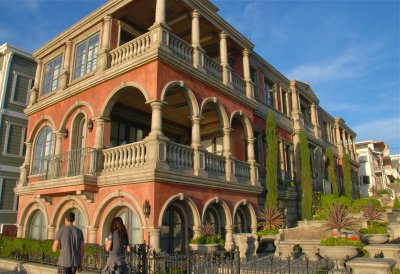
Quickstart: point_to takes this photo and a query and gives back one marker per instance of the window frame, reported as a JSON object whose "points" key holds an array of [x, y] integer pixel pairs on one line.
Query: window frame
{"points": [[53, 60], [51, 151], [7, 136], [14, 84], [74, 67]]}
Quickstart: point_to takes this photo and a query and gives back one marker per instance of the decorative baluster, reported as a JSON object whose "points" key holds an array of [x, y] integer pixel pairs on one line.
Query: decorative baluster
{"points": [[137, 159]]}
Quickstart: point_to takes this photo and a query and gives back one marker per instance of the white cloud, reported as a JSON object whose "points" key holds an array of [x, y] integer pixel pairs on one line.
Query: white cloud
{"points": [[349, 63], [387, 130]]}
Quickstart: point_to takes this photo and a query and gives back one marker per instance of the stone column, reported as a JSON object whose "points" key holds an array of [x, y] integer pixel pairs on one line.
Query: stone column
{"points": [[196, 144], [64, 77], [160, 12], [198, 52], [92, 235], [98, 142], [57, 149], [51, 232], [104, 55], [251, 160], [19, 231], [35, 90], [227, 153], [350, 145], [338, 141], [229, 244], [24, 169], [354, 149], [246, 74], [156, 117], [196, 231], [346, 147], [155, 234], [223, 50], [314, 120]]}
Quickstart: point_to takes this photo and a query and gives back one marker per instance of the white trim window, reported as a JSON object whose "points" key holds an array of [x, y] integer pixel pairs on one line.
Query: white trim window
{"points": [[51, 75], [14, 140], [21, 86], [42, 151], [86, 56]]}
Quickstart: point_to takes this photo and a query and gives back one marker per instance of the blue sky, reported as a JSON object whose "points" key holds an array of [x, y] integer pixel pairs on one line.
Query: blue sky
{"points": [[349, 51]]}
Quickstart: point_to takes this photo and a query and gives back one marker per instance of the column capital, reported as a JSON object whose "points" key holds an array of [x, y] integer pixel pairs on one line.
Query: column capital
{"points": [[156, 102], [195, 119], [39, 61], [196, 14], [223, 35], [227, 130], [107, 17], [245, 52], [68, 42]]}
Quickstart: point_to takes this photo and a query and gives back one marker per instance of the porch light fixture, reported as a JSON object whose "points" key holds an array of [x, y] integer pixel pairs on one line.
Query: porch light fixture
{"points": [[146, 208], [90, 125]]}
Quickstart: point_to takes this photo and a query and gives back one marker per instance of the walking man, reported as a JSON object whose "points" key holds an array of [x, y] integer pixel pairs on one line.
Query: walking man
{"points": [[72, 246]]}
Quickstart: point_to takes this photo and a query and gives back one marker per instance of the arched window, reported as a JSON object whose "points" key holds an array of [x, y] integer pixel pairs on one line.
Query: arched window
{"points": [[42, 150], [132, 224], [38, 226]]}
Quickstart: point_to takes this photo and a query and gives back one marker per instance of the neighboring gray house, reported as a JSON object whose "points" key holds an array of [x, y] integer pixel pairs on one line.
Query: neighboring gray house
{"points": [[17, 73]]}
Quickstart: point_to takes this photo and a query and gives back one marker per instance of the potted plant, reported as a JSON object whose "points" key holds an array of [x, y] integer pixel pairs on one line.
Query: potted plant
{"points": [[208, 241], [339, 247], [376, 231], [271, 219]]}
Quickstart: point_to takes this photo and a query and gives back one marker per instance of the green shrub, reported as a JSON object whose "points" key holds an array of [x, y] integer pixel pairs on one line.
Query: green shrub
{"points": [[382, 191], [208, 240], [347, 183], [341, 241], [396, 204], [264, 232], [375, 227], [331, 171], [359, 204]]}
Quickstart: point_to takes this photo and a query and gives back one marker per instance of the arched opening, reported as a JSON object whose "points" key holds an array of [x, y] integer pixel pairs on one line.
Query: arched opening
{"points": [[211, 128], [42, 151], [215, 216], [177, 224], [37, 226], [130, 117], [177, 125], [131, 221], [79, 220], [242, 220], [174, 232], [77, 153], [238, 139]]}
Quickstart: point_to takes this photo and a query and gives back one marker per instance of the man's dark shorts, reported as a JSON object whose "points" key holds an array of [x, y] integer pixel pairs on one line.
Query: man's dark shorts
{"points": [[67, 270]]}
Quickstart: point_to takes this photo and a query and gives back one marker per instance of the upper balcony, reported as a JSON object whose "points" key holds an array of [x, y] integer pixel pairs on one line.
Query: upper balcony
{"points": [[124, 35]]}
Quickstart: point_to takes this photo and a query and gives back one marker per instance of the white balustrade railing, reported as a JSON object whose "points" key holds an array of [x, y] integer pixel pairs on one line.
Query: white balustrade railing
{"points": [[131, 49], [213, 68], [215, 164], [238, 83], [126, 156], [180, 49], [179, 155], [242, 169]]}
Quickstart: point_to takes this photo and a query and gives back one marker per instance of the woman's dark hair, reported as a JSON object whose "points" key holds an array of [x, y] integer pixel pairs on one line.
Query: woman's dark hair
{"points": [[117, 224]]}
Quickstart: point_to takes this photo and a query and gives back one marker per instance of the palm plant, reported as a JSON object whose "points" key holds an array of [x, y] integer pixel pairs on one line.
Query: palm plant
{"points": [[338, 218], [271, 218], [207, 229], [371, 213]]}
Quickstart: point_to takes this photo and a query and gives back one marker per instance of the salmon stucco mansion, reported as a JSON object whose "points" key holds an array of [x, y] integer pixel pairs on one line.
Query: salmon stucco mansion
{"points": [[154, 110]]}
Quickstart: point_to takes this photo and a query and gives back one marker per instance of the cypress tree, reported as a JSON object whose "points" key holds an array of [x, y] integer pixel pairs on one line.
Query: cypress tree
{"points": [[348, 186], [306, 181], [271, 162], [331, 172]]}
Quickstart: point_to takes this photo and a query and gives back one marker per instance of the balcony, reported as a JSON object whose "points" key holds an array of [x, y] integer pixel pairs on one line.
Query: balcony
{"points": [[144, 45]]}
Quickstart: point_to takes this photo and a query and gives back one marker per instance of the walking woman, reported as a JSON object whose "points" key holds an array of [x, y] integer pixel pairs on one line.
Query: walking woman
{"points": [[117, 244]]}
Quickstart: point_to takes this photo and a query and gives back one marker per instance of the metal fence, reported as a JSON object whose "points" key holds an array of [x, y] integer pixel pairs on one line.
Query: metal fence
{"points": [[143, 260]]}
